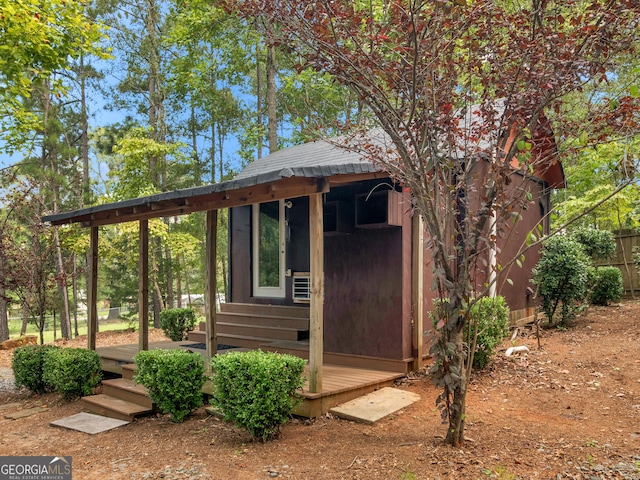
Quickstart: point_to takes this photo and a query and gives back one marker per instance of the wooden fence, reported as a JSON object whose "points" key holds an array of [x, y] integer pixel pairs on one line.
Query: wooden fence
{"points": [[625, 243]]}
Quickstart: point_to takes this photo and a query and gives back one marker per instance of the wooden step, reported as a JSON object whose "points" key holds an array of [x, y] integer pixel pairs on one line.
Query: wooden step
{"points": [[274, 333], [197, 336], [128, 371], [114, 407], [257, 309], [262, 320], [243, 341], [127, 390]]}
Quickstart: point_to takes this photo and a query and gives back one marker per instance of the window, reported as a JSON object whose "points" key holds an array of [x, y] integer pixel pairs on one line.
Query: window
{"points": [[268, 231]]}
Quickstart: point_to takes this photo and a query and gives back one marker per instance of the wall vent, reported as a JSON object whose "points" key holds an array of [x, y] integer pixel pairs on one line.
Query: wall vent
{"points": [[301, 287]]}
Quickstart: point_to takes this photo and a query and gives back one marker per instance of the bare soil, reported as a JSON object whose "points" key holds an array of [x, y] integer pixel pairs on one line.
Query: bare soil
{"points": [[569, 410]]}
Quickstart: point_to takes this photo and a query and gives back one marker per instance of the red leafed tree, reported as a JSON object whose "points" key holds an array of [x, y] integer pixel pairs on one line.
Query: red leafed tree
{"points": [[455, 84]]}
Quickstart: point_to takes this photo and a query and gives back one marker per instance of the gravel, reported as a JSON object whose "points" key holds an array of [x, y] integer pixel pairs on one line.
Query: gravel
{"points": [[7, 383]]}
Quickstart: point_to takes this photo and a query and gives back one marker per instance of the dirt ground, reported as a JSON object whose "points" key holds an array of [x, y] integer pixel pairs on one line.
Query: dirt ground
{"points": [[570, 410]]}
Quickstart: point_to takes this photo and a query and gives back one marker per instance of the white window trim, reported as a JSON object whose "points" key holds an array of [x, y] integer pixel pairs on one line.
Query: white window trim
{"points": [[271, 292]]}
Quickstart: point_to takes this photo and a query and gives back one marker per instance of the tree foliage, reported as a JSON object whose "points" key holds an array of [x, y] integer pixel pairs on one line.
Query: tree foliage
{"points": [[38, 38]]}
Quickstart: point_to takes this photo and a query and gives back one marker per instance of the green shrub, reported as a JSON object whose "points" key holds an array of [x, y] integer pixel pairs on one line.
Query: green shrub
{"points": [[27, 364], [173, 378], [607, 285], [490, 316], [597, 244], [561, 274], [177, 323], [73, 372], [257, 390]]}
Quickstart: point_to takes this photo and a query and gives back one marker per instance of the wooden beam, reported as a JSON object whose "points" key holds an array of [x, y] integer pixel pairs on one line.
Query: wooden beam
{"points": [[210, 291], [92, 294], [316, 324], [417, 269], [295, 187], [143, 286]]}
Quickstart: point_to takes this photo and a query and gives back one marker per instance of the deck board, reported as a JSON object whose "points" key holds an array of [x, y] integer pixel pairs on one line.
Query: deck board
{"points": [[339, 383]]}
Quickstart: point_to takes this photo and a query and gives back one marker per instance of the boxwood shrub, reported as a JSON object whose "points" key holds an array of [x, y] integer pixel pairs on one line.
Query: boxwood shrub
{"points": [[256, 390], [177, 323], [561, 274], [73, 372], [173, 378], [607, 285], [27, 364]]}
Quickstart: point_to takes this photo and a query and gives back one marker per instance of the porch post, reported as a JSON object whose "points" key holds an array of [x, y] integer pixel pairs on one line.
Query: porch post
{"points": [[316, 251], [210, 291], [143, 286], [418, 290], [92, 294]]}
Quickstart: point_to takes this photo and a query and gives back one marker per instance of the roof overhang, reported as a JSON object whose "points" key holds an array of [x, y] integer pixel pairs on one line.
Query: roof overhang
{"points": [[208, 197]]}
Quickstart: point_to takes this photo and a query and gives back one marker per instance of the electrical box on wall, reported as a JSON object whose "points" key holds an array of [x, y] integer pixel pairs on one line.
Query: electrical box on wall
{"points": [[379, 209]]}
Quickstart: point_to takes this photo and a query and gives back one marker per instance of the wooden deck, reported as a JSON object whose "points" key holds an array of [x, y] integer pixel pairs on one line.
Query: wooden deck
{"points": [[339, 383], [113, 357]]}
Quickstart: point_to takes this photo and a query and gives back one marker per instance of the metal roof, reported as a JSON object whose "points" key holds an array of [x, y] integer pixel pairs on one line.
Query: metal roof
{"points": [[314, 159]]}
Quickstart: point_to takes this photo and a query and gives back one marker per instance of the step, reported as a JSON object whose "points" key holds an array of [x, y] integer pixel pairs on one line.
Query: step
{"points": [[268, 310], [263, 320], [301, 324], [127, 390], [114, 407], [128, 371], [197, 336], [243, 341], [274, 333], [271, 333]]}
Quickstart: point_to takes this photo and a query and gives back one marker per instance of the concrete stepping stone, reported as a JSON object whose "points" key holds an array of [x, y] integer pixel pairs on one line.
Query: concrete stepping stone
{"points": [[376, 405], [89, 423]]}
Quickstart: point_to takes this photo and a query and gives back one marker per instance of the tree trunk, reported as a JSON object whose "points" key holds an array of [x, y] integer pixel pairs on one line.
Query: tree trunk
{"points": [[74, 285], [179, 283], [4, 314], [157, 292], [272, 119], [170, 293], [41, 327], [65, 323], [25, 316], [455, 433], [259, 100], [85, 198], [186, 285]]}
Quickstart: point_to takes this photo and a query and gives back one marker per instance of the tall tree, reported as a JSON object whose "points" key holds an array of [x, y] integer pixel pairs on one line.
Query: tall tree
{"points": [[37, 38], [453, 84]]}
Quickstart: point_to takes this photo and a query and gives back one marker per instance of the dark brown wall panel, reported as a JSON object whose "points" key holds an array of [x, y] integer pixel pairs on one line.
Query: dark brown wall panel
{"points": [[363, 293]]}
